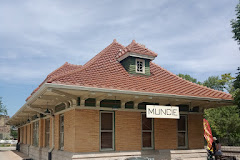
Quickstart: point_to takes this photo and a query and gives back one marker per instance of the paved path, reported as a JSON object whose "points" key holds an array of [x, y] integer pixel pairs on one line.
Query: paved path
{"points": [[7, 148], [9, 153]]}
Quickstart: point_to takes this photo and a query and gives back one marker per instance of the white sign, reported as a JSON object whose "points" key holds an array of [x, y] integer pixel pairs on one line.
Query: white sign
{"points": [[153, 111]]}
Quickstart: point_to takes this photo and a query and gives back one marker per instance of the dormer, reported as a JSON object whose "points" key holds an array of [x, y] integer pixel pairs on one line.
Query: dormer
{"points": [[135, 58]]}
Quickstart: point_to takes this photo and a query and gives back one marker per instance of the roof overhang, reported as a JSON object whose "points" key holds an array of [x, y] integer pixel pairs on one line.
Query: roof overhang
{"points": [[50, 87], [131, 54]]}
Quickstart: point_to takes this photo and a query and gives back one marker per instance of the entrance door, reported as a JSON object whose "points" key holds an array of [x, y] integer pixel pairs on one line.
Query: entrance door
{"points": [[107, 130], [182, 132]]}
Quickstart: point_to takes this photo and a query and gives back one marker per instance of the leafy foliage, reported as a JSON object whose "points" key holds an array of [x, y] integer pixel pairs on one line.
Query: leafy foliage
{"points": [[214, 82], [225, 123], [14, 133], [236, 85], [3, 109], [189, 78], [236, 24], [225, 82]]}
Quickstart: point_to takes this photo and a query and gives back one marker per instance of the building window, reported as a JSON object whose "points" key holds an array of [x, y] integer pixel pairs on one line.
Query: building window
{"points": [[110, 103], [129, 105], [140, 65], [61, 132], [182, 131], [107, 130], [47, 132], [91, 102], [35, 133], [147, 132], [144, 104], [60, 107]]}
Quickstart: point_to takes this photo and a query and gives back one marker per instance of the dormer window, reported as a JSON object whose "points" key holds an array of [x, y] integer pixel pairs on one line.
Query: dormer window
{"points": [[140, 65]]}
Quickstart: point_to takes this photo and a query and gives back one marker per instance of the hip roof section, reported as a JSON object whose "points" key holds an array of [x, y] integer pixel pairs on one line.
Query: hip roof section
{"points": [[104, 71], [65, 68]]}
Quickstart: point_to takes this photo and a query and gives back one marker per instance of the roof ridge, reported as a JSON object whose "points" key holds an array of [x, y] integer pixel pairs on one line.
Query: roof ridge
{"points": [[89, 63], [143, 46], [198, 85], [57, 69], [63, 74], [131, 48]]}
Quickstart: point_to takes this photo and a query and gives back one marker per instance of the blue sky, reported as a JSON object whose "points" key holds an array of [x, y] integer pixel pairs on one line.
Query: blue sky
{"points": [[36, 37]]}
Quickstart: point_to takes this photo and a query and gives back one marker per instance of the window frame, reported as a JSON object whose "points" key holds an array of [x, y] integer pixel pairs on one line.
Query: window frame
{"points": [[147, 131], [143, 65], [183, 131], [113, 131]]}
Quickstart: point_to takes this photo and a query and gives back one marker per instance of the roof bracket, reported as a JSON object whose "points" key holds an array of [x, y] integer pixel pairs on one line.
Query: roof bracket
{"points": [[37, 110]]}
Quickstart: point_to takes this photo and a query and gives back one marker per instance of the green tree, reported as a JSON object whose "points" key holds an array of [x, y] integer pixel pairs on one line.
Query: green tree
{"points": [[3, 109], [214, 82], [236, 85], [189, 78], [236, 24], [227, 82], [225, 123], [14, 133]]}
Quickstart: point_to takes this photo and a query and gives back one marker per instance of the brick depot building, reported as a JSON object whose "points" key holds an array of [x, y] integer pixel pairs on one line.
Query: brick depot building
{"points": [[99, 109]]}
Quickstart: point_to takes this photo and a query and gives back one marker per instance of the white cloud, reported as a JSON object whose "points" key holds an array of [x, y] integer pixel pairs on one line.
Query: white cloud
{"points": [[190, 37]]}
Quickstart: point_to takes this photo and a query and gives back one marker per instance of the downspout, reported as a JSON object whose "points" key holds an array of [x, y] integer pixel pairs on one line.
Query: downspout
{"points": [[52, 148]]}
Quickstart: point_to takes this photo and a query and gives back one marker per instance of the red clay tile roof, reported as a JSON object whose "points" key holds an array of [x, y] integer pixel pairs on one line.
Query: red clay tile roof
{"points": [[136, 48], [104, 71], [65, 68]]}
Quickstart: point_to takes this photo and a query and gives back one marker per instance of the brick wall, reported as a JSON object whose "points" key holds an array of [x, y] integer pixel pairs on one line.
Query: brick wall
{"points": [[195, 131], [127, 131], [86, 130], [56, 132], [41, 131], [69, 131], [165, 133]]}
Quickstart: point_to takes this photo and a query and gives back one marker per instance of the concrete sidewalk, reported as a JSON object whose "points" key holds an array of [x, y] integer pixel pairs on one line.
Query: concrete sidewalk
{"points": [[12, 155], [7, 148]]}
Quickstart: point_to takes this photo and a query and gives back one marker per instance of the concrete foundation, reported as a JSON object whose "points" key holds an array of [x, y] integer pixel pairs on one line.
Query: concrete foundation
{"points": [[37, 153]]}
